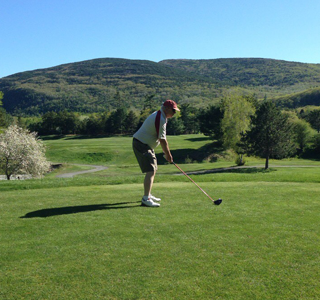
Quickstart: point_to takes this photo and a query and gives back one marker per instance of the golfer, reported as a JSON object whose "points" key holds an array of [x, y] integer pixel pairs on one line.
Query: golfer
{"points": [[145, 140]]}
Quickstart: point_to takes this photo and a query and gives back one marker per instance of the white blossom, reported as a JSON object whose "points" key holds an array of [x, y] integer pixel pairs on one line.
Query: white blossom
{"points": [[21, 152]]}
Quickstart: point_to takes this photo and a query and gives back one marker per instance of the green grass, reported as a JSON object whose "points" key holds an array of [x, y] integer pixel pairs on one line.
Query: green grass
{"points": [[88, 237]]}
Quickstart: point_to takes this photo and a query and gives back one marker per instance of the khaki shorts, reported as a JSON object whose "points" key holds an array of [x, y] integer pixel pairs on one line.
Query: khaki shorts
{"points": [[145, 156]]}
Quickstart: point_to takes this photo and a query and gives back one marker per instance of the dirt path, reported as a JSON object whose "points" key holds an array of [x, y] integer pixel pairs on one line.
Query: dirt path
{"points": [[96, 168], [71, 174]]}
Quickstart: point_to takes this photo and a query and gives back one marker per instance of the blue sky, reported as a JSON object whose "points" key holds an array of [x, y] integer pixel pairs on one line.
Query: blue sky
{"points": [[44, 33]]}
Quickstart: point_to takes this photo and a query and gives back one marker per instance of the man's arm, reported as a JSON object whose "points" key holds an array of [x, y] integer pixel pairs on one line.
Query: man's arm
{"points": [[166, 150]]}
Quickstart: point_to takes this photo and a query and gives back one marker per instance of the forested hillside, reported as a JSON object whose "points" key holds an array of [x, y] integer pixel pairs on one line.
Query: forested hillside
{"points": [[99, 85], [251, 71], [105, 84], [301, 99]]}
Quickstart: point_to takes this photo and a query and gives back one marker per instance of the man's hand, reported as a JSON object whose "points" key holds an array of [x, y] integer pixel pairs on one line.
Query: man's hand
{"points": [[168, 157], [166, 151]]}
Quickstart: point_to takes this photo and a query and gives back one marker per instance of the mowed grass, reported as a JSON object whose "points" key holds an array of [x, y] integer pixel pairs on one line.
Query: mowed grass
{"points": [[89, 238]]}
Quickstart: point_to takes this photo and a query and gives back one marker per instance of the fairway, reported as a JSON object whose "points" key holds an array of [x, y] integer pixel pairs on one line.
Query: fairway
{"points": [[92, 243], [89, 238]]}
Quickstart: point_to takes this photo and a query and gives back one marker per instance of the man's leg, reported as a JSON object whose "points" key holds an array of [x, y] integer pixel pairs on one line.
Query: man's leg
{"points": [[148, 182]]}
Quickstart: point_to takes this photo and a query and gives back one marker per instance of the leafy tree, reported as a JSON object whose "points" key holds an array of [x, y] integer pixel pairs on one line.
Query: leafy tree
{"points": [[22, 153], [302, 133], [93, 125], [271, 134], [67, 122], [49, 123], [237, 112]]}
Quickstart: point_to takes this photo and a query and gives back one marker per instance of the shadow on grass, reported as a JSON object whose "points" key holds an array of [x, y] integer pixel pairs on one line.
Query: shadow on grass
{"points": [[181, 155], [199, 139], [67, 210], [241, 170], [205, 152], [252, 170], [78, 136]]}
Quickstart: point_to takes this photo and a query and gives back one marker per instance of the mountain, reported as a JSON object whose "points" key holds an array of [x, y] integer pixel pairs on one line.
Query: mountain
{"points": [[106, 83], [250, 71], [95, 85]]}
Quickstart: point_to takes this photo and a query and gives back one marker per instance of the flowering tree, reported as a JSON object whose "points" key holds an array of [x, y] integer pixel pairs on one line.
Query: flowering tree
{"points": [[21, 152]]}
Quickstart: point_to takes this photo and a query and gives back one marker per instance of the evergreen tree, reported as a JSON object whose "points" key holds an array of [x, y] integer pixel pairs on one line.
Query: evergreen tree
{"points": [[3, 118], [210, 122], [271, 135], [116, 122], [3, 115], [175, 126], [130, 123], [316, 145], [189, 117], [314, 119]]}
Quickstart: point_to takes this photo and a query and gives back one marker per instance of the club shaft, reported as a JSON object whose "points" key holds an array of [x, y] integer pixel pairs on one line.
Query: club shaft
{"points": [[184, 173]]}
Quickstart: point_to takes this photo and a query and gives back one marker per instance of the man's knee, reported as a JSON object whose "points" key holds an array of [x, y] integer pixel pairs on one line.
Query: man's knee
{"points": [[151, 174]]}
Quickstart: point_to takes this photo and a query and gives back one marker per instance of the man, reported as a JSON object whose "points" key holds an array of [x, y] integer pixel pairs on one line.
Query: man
{"points": [[149, 136]]}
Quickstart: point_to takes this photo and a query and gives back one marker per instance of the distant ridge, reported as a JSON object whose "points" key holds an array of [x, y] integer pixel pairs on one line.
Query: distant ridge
{"points": [[250, 71], [103, 84]]}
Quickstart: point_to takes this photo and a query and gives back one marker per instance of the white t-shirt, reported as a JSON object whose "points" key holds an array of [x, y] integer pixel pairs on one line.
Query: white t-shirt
{"points": [[147, 133]]}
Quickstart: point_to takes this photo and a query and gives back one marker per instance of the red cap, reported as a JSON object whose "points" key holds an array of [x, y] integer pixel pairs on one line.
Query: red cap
{"points": [[172, 104]]}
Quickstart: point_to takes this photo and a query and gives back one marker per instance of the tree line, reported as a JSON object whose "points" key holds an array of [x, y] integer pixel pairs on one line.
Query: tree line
{"points": [[247, 126], [118, 122], [240, 123]]}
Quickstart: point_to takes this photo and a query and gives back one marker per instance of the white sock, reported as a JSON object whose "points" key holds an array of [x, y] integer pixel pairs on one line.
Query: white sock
{"points": [[145, 197]]}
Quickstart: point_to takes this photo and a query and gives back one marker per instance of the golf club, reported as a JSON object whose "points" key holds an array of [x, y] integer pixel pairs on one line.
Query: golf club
{"points": [[216, 202]]}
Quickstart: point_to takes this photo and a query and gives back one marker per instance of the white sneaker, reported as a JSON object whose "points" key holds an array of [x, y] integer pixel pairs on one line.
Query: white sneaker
{"points": [[153, 198], [149, 202]]}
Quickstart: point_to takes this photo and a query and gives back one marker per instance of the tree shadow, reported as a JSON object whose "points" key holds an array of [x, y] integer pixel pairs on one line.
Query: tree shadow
{"points": [[51, 137], [67, 210], [199, 155], [87, 137], [199, 139]]}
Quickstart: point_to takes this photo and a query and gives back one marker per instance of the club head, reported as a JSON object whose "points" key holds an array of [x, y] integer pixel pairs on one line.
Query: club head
{"points": [[217, 202]]}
